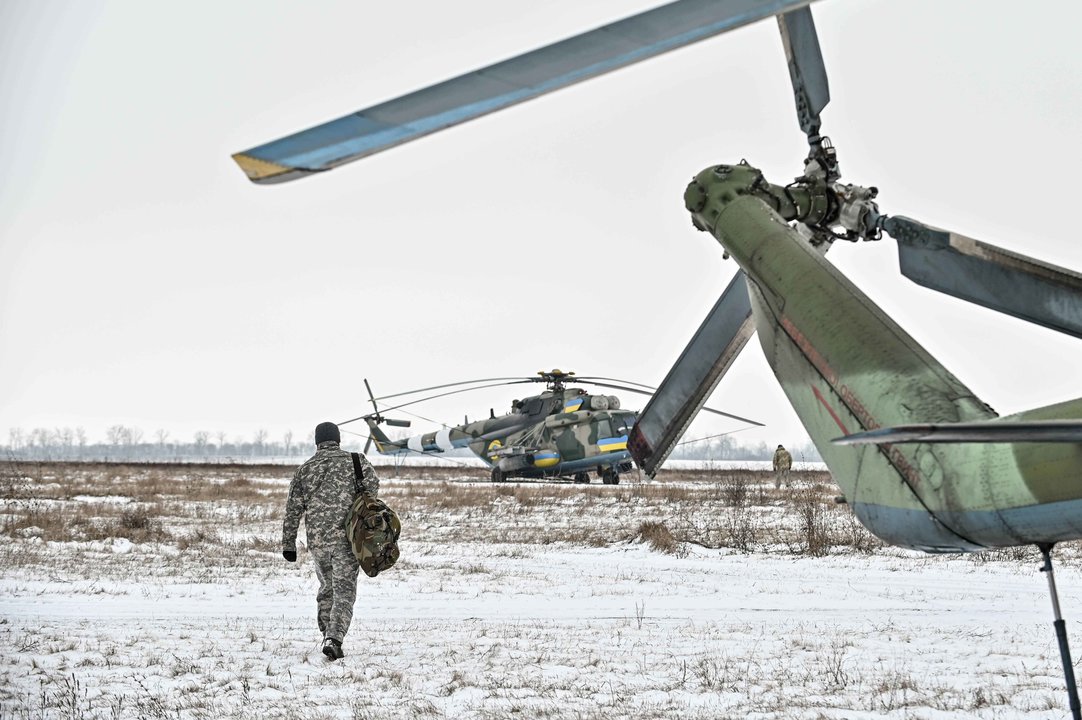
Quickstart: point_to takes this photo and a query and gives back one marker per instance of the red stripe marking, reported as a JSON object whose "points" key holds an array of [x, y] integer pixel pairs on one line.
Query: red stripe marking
{"points": [[851, 403], [830, 410]]}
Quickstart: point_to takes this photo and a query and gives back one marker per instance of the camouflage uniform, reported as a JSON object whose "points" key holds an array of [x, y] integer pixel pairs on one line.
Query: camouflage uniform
{"points": [[322, 490], [783, 462]]}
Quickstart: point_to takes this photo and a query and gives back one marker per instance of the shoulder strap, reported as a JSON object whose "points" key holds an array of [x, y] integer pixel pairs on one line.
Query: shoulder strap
{"points": [[357, 472]]}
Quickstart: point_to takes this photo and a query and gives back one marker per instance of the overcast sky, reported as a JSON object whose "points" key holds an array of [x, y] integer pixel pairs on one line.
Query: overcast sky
{"points": [[146, 282]]}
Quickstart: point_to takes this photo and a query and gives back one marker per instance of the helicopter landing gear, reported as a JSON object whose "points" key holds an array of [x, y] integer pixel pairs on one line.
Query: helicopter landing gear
{"points": [[1061, 633], [610, 477], [498, 476], [582, 478]]}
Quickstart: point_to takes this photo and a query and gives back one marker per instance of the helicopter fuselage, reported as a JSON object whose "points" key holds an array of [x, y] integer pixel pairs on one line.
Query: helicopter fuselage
{"points": [[564, 443], [563, 432]]}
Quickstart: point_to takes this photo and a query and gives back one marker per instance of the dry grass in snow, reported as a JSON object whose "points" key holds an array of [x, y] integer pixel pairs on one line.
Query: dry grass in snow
{"points": [[160, 592]]}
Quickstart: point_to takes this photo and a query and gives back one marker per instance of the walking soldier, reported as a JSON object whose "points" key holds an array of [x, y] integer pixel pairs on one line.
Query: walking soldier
{"points": [[322, 491], [783, 463]]}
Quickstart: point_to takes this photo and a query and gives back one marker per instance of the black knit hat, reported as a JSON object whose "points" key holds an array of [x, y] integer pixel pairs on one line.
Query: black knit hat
{"points": [[327, 431]]}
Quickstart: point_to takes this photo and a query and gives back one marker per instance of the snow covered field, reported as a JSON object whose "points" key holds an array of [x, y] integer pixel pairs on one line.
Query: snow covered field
{"points": [[130, 592]]}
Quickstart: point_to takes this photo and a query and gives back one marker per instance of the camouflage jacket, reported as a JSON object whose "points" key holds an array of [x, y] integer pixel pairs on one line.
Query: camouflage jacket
{"points": [[322, 490], [782, 459]]}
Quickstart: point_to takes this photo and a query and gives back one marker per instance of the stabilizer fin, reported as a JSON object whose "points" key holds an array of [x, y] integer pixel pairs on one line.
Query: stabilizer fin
{"points": [[1043, 431]]}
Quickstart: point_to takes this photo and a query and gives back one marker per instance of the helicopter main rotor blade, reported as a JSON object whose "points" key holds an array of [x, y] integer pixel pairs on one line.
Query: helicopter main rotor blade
{"points": [[454, 384], [501, 85], [704, 408], [969, 269], [433, 397], [696, 373], [806, 68], [615, 380]]}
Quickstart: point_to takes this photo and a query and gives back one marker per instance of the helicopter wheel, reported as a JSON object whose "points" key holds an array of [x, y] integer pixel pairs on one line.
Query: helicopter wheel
{"points": [[582, 478], [498, 476], [610, 477]]}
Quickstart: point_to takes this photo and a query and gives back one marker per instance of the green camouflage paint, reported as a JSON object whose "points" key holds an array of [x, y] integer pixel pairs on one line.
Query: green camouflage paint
{"points": [[520, 442], [846, 367]]}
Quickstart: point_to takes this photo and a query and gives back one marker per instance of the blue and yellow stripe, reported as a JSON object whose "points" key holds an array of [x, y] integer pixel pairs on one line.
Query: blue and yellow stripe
{"points": [[612, 444]]}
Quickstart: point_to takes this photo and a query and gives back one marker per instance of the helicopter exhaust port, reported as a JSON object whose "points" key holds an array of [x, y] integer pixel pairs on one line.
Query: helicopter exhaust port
{"points": [[604, 402]]}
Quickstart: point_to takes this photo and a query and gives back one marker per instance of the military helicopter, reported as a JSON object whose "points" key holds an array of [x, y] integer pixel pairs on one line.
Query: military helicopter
{"points": [[564, 432], [922, 461]]}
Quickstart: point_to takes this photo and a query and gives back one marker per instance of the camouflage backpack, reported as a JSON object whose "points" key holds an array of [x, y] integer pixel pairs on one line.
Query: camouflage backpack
{"points": [[373, 530]]}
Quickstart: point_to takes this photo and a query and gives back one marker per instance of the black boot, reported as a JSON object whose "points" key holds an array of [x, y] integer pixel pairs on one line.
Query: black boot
{"points": [[332, 649]]}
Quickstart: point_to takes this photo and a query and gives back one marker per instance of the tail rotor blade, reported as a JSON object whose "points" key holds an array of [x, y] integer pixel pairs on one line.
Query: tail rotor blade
{"points": [[371, 397], [969, 269], [806, 68], [696, 373]]}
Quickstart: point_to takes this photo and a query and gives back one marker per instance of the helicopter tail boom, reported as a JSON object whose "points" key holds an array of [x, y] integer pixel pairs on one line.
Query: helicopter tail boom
{"points": [[843, 363], [384, 444], [848, 368]]}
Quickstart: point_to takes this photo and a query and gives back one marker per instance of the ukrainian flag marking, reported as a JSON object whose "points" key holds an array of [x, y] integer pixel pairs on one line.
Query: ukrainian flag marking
{"points": [[612, 444], [546, 459]]}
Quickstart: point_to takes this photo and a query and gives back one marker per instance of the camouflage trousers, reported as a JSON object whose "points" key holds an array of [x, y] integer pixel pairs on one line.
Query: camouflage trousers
{"points": [[336, 569], [781, 476]]}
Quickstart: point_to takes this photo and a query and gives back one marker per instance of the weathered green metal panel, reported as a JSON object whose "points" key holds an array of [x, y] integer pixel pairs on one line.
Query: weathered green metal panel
{"points": [[847, 367]]}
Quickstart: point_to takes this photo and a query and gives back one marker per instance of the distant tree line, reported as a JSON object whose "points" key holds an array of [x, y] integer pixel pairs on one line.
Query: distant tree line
{"points": [[122, 442], [726, 447]]}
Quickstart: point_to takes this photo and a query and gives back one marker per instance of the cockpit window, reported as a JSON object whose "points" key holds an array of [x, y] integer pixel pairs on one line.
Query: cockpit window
{"points": [[533, 407]]}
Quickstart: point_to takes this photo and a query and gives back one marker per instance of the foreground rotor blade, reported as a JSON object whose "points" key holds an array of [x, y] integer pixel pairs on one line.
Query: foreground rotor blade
{"points": [[984, 274], [501, 85], [806, 68], [696, 373], [1045, 431]]}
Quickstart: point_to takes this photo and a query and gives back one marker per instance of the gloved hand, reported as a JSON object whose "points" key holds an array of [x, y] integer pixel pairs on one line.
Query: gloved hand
{"points": [[290, 555]]}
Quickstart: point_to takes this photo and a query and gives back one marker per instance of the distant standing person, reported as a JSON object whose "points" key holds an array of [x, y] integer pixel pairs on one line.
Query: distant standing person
{"points": [[322, 491], [783, 463]]}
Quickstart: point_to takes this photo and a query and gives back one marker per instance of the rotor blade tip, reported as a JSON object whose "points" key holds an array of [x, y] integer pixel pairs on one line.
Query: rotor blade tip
{"points": [[259, 171]]}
